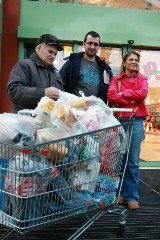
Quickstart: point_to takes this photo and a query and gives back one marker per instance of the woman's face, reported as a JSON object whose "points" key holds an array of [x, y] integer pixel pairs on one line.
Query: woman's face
{"points": [[131, 64]]}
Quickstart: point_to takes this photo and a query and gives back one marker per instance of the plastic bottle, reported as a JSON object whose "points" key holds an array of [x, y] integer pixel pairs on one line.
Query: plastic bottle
{"points": [[44, 153], [24, 181], [45, 168]]}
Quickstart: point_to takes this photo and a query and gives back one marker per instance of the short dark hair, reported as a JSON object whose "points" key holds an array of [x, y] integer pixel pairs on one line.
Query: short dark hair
{"points": [[93, 34]]}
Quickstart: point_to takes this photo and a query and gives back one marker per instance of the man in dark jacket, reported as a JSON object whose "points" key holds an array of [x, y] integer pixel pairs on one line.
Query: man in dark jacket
{"points": [[33, 78], [85, 71]]}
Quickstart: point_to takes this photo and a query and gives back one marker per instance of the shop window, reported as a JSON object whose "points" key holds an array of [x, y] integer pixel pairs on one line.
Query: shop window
{"points": [[61, 57], [28, 49], [112, 56], [150, 67], [135, 4]]}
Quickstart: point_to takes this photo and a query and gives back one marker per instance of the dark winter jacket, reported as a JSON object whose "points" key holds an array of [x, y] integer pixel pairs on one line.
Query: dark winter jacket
{"points": [[70, 73], [28, 80]]}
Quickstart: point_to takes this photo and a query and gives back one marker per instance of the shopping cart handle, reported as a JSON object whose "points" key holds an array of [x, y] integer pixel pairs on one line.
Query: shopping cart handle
{"points": [[122, 109]]}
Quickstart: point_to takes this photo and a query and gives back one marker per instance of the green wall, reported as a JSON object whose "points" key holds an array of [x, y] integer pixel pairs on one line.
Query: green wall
{"points": [[72, 21]]}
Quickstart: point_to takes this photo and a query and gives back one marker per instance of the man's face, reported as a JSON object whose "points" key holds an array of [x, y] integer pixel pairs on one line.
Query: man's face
{"points": [[47, 53], [91, 45]]}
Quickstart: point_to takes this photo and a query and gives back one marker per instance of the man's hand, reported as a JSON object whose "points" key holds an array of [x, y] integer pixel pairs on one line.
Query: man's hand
{"points": [[52, 92]]}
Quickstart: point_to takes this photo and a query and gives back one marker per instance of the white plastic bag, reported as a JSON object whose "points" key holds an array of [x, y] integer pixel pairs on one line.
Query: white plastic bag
{"points": [[17, 129], [95, 118], [43, 113], [63, 117]]}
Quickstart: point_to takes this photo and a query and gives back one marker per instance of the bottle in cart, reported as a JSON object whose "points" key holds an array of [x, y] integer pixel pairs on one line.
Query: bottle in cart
{"points": [[24, 180], [44, 168]]}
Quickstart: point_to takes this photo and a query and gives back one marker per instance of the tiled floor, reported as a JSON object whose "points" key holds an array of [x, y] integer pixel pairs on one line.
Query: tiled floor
{"points": [[150, 149]]}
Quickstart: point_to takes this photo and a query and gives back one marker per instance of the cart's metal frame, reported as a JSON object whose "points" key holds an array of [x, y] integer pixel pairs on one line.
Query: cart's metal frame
{"points": [[113, 208]]}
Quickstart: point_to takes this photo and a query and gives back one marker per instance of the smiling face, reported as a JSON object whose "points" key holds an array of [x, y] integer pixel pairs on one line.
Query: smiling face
{"points": [[131, 63], [47, 53]]}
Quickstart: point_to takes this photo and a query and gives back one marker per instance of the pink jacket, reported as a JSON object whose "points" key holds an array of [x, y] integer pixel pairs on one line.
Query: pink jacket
{"points": [[132, 94]]}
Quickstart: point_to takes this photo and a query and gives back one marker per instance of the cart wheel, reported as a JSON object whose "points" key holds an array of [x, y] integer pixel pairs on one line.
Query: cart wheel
{"points": [[121, 230]]}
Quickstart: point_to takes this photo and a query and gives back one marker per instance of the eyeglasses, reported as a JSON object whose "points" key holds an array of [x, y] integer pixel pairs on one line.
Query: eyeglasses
{"points": [[93, 43]]}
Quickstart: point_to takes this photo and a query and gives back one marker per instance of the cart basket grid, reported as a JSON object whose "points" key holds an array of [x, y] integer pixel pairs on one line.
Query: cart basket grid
{"points": [[55, 181]]}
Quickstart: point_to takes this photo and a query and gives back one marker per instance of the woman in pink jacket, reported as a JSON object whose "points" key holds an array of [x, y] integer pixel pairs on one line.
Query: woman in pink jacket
{"points": [[129, 90]]}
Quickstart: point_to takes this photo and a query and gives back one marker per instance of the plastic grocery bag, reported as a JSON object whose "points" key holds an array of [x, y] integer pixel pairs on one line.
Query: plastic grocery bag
{"points": [[96, 118], [27, 177], [50, 134], [86, 179], [63, 117], [17, 129], [82, 102], [85, 173], [67, 96], [43, 112]]}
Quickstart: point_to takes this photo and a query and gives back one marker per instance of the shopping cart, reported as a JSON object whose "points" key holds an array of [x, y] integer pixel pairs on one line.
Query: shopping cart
{"points": [[58, 180]]}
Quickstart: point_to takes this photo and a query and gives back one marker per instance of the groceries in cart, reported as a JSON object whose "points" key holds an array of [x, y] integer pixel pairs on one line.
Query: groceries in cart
{"points": [[50, 134], [82, 114], [17, 129], [43, 113], [25, 186], [85, 173], [64, 157], [65, 117]]}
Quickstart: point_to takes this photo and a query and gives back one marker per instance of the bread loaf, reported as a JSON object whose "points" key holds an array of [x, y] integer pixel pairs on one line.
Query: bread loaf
{"points": [[57, 151]]}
